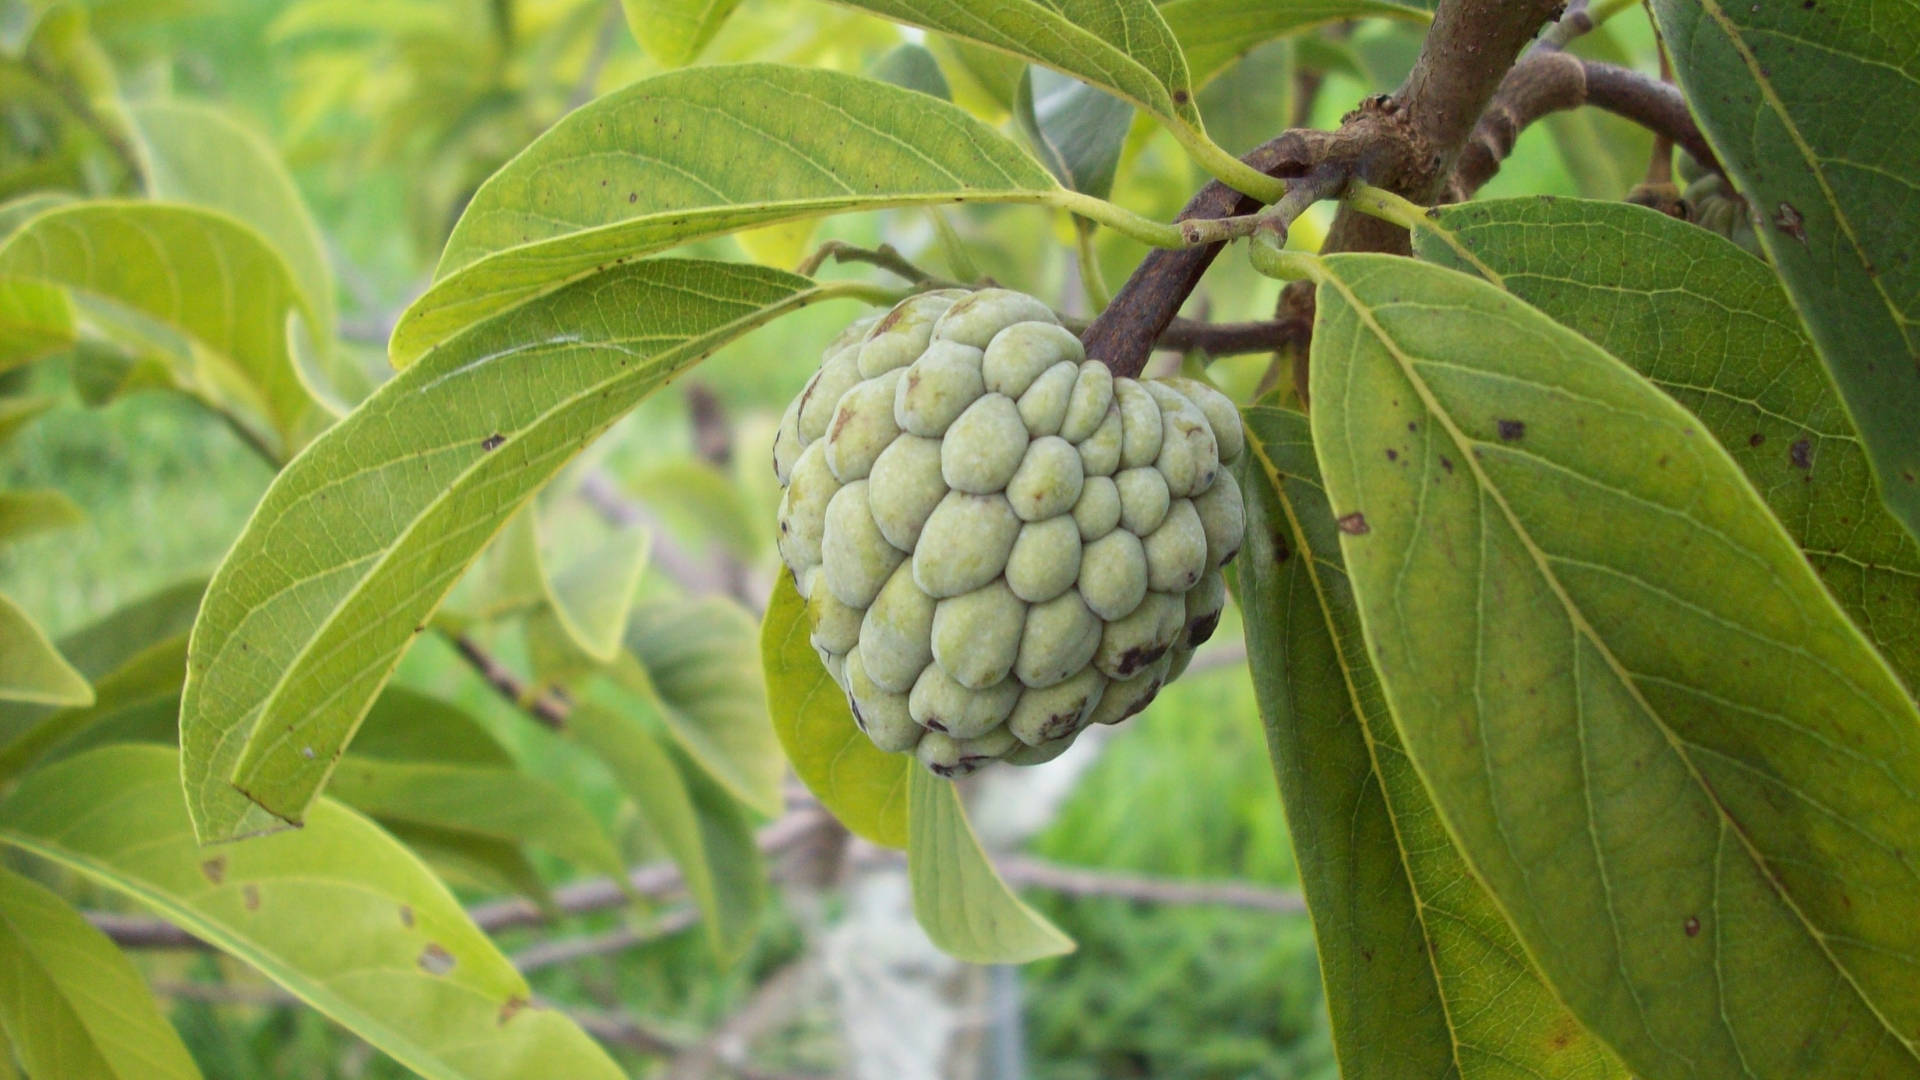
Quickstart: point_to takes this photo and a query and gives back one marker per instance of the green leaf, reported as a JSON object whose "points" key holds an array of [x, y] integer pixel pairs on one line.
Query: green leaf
{"points": [[861, 784], [697, 498], [1677, 767], [1809, 108], [201, 155], [406, 725], [494, 802], [25, 513], [419, 981], [699, 153], [674, 31], [31, 669], [151, 675], [1123, 46], [16, 212], [1709, 324], [692, 664], [199, 273], [593, 595], [70, 1001], [958, 898], [17, 412], [360, 537], [1076, 130], [701, 827], [912, 66], [1215, 33], [462, 857], [36, 320], [1424, 977]]}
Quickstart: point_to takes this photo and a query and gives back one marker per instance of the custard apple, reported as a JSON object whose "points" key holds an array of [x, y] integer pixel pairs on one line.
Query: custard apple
{"points": [[999, 542]]}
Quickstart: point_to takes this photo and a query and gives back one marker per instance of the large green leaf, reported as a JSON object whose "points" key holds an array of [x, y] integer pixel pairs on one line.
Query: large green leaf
{"points": [[697, 153], [1123, 46], [592, 596], [36, 319], [359, 538], [701, 827], [31, 669], [338, 913], [1676, 765], [72, 1003], [674, 31], [24, 513], [1810, 108], [863, 785], [1710, 325], [196, 272], [1215, 33], [1424, 977], [1076, 130], [493, 802], [693, 665], [201, 155], [958, 898]]}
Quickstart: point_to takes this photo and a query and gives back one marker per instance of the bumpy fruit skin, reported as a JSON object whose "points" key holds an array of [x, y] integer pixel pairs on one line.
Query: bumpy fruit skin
{"points": [[1000, 542]]}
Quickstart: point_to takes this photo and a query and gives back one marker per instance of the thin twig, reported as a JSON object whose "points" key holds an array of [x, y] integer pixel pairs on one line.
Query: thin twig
{"points": [[886, 257], [560, 951], [548, 709], [1075, 881]]}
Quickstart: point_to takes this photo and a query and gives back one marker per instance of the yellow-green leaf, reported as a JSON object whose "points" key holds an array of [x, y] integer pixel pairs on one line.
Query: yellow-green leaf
{"points": [[337, 913], [698, 153], [1424, 978], [1810, 106], [958, 898], [864, 786], [1215, 33], [1675, 764], [359, 538], [27, 512], [71, 1002], [674, 31], [36, 319], [31, 669]]}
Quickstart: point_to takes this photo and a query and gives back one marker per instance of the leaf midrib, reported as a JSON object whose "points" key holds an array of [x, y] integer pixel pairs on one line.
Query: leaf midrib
{"points": [[717, 336], [1583, 628]]}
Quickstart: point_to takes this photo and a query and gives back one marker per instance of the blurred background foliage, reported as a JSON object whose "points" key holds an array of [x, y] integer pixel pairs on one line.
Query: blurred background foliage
{"points": [[388, 115]]}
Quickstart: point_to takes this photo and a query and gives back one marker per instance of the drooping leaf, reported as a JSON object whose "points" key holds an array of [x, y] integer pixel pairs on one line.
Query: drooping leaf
{"points": [[500, 803], [1076, 130], [1676, 765], [361, 536], [153, 674], [201, 155], [912, 66], [1214, 33], [1123, 46], [864, 786], [1424, 978], [674, 31], [698, 153], [71, 1003], [31, 669], [25, 513], [701, 827], [1809, 107], [36, 320], [199, 273], [593, 595], [421, 982], [1710, 325], [958, 898], [693, 665]]}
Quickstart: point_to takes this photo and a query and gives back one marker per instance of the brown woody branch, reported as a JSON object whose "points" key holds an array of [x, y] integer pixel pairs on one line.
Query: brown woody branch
{"points": [[549, 710], [1551, 81]]}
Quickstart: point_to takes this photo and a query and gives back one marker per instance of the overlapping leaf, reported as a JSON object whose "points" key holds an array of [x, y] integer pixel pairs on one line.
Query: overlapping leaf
{"points": [[864, 786], [1214, 33], [421, 982], [32, 671], [1423, 976], [359, 539], [1710, 325], [1810, 107], [698, 153], [1076, 130], [958, 898], [1682, 773], [36, 319], [71, 1002], [674, 31]]}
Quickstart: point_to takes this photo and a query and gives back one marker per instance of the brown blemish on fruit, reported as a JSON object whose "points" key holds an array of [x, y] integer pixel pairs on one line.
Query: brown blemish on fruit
{"points": [[1136, 659], [215, 869], [1202, 628]]}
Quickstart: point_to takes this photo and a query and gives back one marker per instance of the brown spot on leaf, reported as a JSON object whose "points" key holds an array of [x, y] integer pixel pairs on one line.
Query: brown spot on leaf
{"points": [[493, 441], [1355, 524], [406, 915], [1692, 926], [435, 959], [215, 869], [250, 897], [1801, 454], [1393, 455], [511, 1008], [1789, 221], [1446, 463], [1512, 430], [1756, 439]]}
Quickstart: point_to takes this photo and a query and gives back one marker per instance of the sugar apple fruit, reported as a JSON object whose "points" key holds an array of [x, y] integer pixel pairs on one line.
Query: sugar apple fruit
{"points": [[999, 542]]}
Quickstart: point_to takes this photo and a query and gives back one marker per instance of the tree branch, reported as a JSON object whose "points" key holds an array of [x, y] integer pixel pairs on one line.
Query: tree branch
{"points": [[549, 710], [1551, 81]]}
